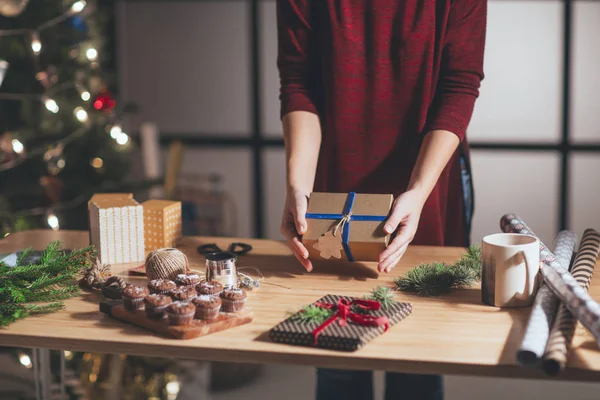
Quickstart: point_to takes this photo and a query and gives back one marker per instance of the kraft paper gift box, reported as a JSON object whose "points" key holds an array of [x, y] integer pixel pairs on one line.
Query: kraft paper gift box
{"points": [[356, 219], [162, 224], [117, 228]]}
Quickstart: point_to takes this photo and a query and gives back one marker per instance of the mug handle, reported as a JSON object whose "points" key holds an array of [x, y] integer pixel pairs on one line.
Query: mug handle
{"points": [[524, 295]]}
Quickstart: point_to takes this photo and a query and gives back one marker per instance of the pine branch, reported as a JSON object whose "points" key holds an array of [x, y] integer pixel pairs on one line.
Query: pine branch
{"points": [[24, 255], [35, 309], [313, 314], [438, 278], [382, 294], [52, 294], [50, 253]]}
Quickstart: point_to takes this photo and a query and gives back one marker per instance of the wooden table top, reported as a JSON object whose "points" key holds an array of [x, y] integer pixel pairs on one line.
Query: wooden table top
{"points": [[455, 334]]}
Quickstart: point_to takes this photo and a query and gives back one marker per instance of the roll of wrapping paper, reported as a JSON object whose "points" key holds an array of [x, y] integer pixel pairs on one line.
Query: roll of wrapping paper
{"points": [[544, 307], [562, 283], [561, 335]]}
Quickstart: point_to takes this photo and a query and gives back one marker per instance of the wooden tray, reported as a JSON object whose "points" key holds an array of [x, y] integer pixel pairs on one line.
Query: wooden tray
{"points": [[196, 329]]}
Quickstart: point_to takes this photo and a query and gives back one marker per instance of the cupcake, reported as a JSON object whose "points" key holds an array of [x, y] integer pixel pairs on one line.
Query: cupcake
{"points": [[207, 306], [187, 280], [233, 299], [156, 305], [161, 286], [133, 297], [183, 293], [180, 313], [210, 287]]}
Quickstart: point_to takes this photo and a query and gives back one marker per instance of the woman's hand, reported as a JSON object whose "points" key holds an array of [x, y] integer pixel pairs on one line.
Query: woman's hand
{"points": [[404, 217], [293, 225]]}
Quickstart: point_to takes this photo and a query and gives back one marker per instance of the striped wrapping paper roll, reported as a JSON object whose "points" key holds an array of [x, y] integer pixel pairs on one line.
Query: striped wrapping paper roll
{"points": [[562, 283], [544, 307], [555, 356]]}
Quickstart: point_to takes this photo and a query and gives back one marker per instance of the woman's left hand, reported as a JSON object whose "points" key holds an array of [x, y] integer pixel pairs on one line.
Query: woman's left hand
{"points": [[404, 217]]}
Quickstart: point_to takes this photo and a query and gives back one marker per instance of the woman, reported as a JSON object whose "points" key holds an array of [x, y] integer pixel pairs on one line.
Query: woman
{"points": [[376, 97]]}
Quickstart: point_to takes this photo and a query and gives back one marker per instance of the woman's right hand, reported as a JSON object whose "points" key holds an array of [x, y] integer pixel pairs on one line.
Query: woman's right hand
{"points": [[293, 225]]}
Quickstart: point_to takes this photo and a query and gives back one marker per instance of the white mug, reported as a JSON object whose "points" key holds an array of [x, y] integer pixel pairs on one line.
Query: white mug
{"points": [[510, 266]]}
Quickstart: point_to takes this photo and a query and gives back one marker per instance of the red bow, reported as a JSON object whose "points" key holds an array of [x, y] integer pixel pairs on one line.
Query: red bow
{"points": [[344, 312]]}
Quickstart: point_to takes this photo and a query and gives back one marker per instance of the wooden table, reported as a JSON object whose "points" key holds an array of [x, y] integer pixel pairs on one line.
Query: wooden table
{"points": [[454, 334]]}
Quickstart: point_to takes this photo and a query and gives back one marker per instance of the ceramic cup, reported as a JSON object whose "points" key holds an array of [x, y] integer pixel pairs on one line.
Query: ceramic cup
{"points": [[510, 266]]}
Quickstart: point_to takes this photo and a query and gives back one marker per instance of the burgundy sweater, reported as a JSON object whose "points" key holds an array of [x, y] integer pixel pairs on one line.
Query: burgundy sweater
{"points": [[380, 74]]}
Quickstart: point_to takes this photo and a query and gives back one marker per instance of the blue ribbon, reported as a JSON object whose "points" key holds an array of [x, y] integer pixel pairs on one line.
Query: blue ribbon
{"points": [[352, 217]]}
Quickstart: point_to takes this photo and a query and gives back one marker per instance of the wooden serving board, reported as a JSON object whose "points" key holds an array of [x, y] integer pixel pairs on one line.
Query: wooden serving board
{"points": [[196, 329]]}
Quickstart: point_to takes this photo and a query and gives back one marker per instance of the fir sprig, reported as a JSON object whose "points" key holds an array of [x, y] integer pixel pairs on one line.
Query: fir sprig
{"points": [[438, 278], [314, 314], [48, 281], [384, 295]]}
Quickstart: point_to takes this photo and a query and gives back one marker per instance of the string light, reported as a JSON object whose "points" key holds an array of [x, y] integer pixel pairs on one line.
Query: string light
{"points": [[91, 54], [17, 146], [53, 221], [25, 360], [36, 45], [115, 131], [78, 6], [97, 162], [81, 114], [122, 139], [50, 104], [85, 95]]}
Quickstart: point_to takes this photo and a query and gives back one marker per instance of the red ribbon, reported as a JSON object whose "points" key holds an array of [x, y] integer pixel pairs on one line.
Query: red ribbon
{"points": [[344, 312]]}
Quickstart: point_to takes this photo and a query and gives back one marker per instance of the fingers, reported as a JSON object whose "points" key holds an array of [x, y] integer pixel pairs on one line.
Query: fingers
{"points": [[404, 237], [396, 216], [299, 250], [300, 213], [389, 263]]}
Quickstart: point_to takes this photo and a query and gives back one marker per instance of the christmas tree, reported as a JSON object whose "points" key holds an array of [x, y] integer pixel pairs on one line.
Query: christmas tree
{"points": [[60, 135]]}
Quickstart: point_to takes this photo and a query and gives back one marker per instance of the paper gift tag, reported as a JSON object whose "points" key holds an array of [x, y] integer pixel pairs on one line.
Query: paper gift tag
{"points": [[330, 245]]}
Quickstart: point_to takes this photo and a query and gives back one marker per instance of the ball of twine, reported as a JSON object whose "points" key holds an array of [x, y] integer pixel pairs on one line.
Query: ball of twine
{"points": [[166, 264]]}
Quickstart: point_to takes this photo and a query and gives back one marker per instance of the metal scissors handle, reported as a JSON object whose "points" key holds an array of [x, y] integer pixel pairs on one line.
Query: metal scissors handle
{"points": [[237, 248]]}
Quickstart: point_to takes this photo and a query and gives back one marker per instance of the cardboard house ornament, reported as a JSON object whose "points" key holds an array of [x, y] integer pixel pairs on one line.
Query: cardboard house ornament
{"points": [[347, 226], [162, 224], [116, 223]]}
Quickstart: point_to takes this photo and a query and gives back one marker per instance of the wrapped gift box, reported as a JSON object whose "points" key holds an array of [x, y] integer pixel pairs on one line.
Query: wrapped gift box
{"points": [[162, 224], [361, 234], [117, 228], [357, 329]]}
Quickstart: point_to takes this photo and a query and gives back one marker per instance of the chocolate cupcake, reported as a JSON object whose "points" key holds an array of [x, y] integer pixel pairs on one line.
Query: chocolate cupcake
{"points": [[161, 286], [187, 280], [207, 306], [156, 304], [233, 299], [210, 287], [181, 313], [184, 293], [113, 287], [133, 297]]}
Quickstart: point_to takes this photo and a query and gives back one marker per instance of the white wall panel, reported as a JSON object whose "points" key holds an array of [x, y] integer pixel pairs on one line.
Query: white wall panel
{"points": [[274, 172], [521, 94], [268, 69], [186, 64], [522, 183], [585, 106], [584, 204]]}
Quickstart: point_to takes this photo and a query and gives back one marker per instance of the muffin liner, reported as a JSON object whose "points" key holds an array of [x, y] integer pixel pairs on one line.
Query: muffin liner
{"points": [[131, 304], [232, 305], [207, 313], [180, 319], [155, 312]]}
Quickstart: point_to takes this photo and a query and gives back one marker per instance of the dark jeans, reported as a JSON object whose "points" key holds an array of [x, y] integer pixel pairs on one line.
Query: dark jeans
{"points": [[358, 385]]}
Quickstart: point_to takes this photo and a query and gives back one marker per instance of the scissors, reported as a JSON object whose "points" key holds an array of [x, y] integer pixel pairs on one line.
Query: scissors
{"points": [[236, 248]]}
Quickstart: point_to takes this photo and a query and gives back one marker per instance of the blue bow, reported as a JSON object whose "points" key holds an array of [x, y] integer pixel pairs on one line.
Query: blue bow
{"points": [[345, 219]]}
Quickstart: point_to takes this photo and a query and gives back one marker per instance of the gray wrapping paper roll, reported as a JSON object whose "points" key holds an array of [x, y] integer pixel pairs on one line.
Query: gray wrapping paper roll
{"points": [[561, 335], [562, 283], [544, 307]]}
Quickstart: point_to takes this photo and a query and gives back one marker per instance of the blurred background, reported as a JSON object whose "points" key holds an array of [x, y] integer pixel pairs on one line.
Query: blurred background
{"points": [[122, 95]]}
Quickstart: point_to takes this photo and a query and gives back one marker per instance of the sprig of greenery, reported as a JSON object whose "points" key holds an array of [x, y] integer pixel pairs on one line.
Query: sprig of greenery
{"points": [[384, 295], [48, 281], [436, 279], [312, 313]]}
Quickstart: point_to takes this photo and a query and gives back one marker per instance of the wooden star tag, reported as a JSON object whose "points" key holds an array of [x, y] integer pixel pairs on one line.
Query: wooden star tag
{"points": [[329, 245]]}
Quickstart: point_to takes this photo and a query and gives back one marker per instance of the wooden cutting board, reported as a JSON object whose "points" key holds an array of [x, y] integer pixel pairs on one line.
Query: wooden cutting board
{"points": [[196, 329]]}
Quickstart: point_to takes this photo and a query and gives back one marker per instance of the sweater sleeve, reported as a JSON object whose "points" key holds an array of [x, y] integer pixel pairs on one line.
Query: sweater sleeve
{"points": [[461, 70], [295, 45]]}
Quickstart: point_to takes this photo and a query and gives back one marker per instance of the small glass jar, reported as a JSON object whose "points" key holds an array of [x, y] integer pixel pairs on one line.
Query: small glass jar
{"points": [[221, 267]]}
